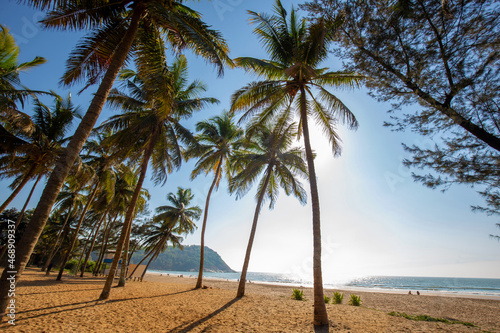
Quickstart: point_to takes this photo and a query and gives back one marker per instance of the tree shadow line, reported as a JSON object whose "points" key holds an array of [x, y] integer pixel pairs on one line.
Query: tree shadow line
{"points": [[88, 304], [204, 319]]}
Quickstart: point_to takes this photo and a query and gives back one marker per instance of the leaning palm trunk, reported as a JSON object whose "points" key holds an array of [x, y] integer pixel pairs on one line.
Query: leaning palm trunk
{"points": [[27, 201], [91, 247], [124, 268], [66, 161], [241, 286], [199, 282], [128, 220], [140, 262], [56, 245], [104, 245], [51, 262], [21, 214], [320, 314], [84, 250], [153, 257], [146, 268], [134, 248], [77, 231], [19, 187]]}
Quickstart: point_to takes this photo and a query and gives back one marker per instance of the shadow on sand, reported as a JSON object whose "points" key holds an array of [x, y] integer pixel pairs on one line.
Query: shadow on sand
{"points": [[322, 329], [80, 305], [197, 323]]}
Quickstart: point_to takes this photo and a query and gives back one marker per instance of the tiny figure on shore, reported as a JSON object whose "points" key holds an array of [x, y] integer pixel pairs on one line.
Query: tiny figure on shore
{"points": [[409, 293], [418, 293]]}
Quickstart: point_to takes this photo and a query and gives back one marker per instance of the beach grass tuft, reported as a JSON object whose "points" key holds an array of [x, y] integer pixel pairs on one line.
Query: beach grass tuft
{"points": [[327, 299], [338, 297], [355, 300], [298, 294], [429, 318]]}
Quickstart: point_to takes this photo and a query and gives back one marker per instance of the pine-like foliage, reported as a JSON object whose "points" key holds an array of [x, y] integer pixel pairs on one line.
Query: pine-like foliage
{"points": [[441, 59]]}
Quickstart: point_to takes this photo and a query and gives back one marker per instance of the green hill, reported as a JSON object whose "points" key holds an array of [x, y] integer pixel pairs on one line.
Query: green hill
{"points": [[187, 260]]}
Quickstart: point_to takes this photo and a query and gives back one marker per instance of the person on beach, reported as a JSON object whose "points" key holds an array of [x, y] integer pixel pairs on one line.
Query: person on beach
{"points": [[418, 293], [409, 293]]}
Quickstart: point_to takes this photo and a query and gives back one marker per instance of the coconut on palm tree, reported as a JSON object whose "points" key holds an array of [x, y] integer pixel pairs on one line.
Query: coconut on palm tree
{"points": [[149, 128], [269, 154], [214, 146], [117, 27], [294, 84]]}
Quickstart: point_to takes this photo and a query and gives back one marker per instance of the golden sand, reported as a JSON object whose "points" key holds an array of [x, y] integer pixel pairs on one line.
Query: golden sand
{"points": [[168, 304]]}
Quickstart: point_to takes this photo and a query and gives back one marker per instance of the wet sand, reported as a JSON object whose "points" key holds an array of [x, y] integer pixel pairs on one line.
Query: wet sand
{"points": [[169, 304]]}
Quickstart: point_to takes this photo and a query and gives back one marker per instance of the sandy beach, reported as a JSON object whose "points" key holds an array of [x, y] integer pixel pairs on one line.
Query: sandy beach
{"points": [[168, 304]]}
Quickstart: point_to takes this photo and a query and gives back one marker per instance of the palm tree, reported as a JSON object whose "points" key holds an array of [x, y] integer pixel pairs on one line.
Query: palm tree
{"points": [[294, 82], [113, 201], [11, 89], [177, 218], [268, 154], [40, 148], [116, 27], [149, 128], [219, 137], [70, 199], [140, 207], [179, 213]]}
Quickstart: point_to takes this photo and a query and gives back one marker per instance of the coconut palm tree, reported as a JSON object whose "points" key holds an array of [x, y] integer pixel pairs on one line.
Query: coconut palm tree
{"points": [[158, 243], [12, 92], [179, 213], [219, 137], [293, 83], [117, 27], [114, 201], [268, 153], [70, 199], [36, 155], [149, 129], [140, 207], [177, 218]]}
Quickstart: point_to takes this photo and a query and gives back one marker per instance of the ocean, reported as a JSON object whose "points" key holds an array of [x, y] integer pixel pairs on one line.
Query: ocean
{"points": [[434, 285]]}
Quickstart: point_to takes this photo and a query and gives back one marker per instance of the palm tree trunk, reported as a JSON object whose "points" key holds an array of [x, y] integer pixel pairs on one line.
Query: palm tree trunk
{"points": [[104, 245], [320, 314], [81, 257], [77, 231], [241, 286], [65, 162], [134, 248], [18, 188], [59, 247], [27, 201], [21, 214], [140, 262], [89, 252], [55, 247], [124, 268], [199, 282], [149, 262], [128, 219]]}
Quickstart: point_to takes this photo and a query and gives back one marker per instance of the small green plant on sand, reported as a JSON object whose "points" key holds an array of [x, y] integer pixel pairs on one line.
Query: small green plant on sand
{"points": [[297, 294], [338, 297], [429, 318], [355, 300], [327, 299]]}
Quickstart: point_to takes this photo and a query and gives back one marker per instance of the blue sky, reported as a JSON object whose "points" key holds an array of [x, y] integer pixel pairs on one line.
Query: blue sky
{"points": [[375, 219]]}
